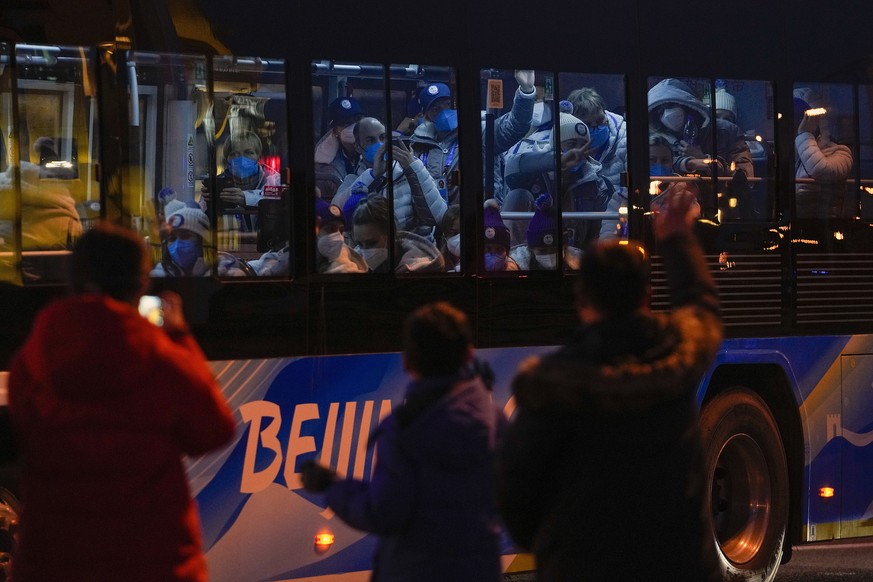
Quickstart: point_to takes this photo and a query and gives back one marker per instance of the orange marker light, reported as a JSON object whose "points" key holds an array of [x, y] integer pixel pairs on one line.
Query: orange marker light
{"points": [[826, 492], [323, 542]]}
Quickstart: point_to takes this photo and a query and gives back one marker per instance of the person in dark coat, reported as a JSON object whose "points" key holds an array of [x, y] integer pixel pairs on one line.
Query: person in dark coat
{"points": [[601, 471], [431, 497]]}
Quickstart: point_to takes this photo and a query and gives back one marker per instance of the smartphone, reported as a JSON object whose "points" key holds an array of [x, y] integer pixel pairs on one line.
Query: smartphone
{"points": [[152, 308]]}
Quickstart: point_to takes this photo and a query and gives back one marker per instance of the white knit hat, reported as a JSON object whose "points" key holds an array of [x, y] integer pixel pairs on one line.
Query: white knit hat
{"points": [[726, 101], [191, 219], [573, 128]]}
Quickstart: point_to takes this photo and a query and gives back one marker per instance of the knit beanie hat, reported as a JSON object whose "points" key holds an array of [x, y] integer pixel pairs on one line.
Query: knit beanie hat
{"points": [[190, 219], [496, 232], [328, 212], [543, 227], [726, 101], [573, 128]]}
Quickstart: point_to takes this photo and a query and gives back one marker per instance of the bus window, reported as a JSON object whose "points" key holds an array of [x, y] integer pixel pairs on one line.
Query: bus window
{"points": [[591, 180], [746, 132], [55, 144], [517, 111], [163, 190], [364, 126], [8, 196], [250, 136], [865, 109], [824, 146]]}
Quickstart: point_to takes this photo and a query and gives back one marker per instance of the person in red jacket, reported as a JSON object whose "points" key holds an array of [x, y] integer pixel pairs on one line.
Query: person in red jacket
{"points": [[104, 404]]}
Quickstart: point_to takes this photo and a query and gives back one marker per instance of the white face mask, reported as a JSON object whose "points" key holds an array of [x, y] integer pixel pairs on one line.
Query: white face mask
{"points": [[374, 257], [673, 118], [548, 261], [347, 135], [331, 245], [453, 243]]}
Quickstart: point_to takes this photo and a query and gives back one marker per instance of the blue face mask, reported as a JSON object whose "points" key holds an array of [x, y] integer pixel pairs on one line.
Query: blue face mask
{"points": [[660, 170], [446, 120], [599, 137], [370, 152], [185, 253], [242, 167], [494, 262]]}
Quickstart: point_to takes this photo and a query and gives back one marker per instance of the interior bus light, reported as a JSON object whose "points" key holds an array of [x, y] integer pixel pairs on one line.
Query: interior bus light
{"points": [[826, 492], [323, 542], [758, 138], [815, 111]]}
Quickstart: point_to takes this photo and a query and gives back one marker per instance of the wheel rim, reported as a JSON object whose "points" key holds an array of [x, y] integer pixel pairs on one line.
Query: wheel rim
{"points": [[741, 499]]}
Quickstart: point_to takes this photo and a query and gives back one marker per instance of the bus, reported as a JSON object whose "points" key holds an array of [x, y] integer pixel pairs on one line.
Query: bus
{"points": [[130, 111]]}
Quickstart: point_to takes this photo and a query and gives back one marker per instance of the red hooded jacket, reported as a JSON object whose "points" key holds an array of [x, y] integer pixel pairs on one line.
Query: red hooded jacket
{"points": [[104, 405]]}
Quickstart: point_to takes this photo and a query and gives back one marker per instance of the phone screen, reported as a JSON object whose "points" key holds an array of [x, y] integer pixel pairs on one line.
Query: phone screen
{"points": [[152, 309]]}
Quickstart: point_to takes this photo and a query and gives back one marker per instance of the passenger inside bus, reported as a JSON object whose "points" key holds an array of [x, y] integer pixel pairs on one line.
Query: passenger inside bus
{"points": [[335, 153], [675, 111], [497, 240], [435, 141], [241, 184], [334, 255], [540, 251], [418, 206], [530, 172], [413, 253], [450, 238], [820, 159]]}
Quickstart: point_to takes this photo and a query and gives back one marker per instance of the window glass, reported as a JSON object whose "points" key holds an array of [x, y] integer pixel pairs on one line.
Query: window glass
{"points": [[745, 147], [519, 160], [169, 164], [56, 146], [9, 199], [386, 166], [250, 130], [824, 115]]}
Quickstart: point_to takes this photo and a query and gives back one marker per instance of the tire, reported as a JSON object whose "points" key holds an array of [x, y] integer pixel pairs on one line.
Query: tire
{"points": [[747, 475]]}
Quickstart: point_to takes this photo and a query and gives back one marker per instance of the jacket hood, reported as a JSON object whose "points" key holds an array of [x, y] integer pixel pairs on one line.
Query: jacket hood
{"points": [[675, 91], [459, 430], [63, 337], [416, 253]]}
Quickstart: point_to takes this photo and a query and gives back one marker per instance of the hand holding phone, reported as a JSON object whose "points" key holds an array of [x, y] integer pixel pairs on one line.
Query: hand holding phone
{"points": [[151, 307]]}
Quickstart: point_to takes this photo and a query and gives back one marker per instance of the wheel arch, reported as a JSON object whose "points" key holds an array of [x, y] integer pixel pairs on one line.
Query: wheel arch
{"points": [[770, 382]]}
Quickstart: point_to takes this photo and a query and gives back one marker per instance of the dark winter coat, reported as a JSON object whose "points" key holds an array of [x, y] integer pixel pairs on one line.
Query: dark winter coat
{"points": [[601, 471], [431, 496]]}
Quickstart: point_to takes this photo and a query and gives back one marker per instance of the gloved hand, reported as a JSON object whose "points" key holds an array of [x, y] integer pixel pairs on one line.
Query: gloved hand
{"points": [[316, 479]]}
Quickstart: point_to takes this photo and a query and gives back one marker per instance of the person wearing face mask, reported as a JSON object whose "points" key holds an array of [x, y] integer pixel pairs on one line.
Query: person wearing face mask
{"points": [[412, 252], [183, 253], [541, 251], [435, 141], [335, 153], [418, 206], [675, 111], [821, 160], [334, 255], [608, 133], [497, 240], [241, 184], [530, 169]]}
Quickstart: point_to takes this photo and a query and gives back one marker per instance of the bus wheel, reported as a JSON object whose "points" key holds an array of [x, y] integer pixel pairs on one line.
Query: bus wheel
{"points": [[747, 475]]}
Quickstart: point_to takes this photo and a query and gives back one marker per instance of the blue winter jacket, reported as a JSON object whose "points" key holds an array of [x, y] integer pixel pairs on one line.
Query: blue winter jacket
{"points": [[431, 497]]}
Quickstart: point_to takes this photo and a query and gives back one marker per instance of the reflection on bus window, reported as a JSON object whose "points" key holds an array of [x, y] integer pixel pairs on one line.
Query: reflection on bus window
{"points": [[357, 156], [55, 145]]}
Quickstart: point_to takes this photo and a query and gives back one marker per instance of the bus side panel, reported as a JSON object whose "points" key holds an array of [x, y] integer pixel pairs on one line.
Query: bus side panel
{"points": [[258, 522]]}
